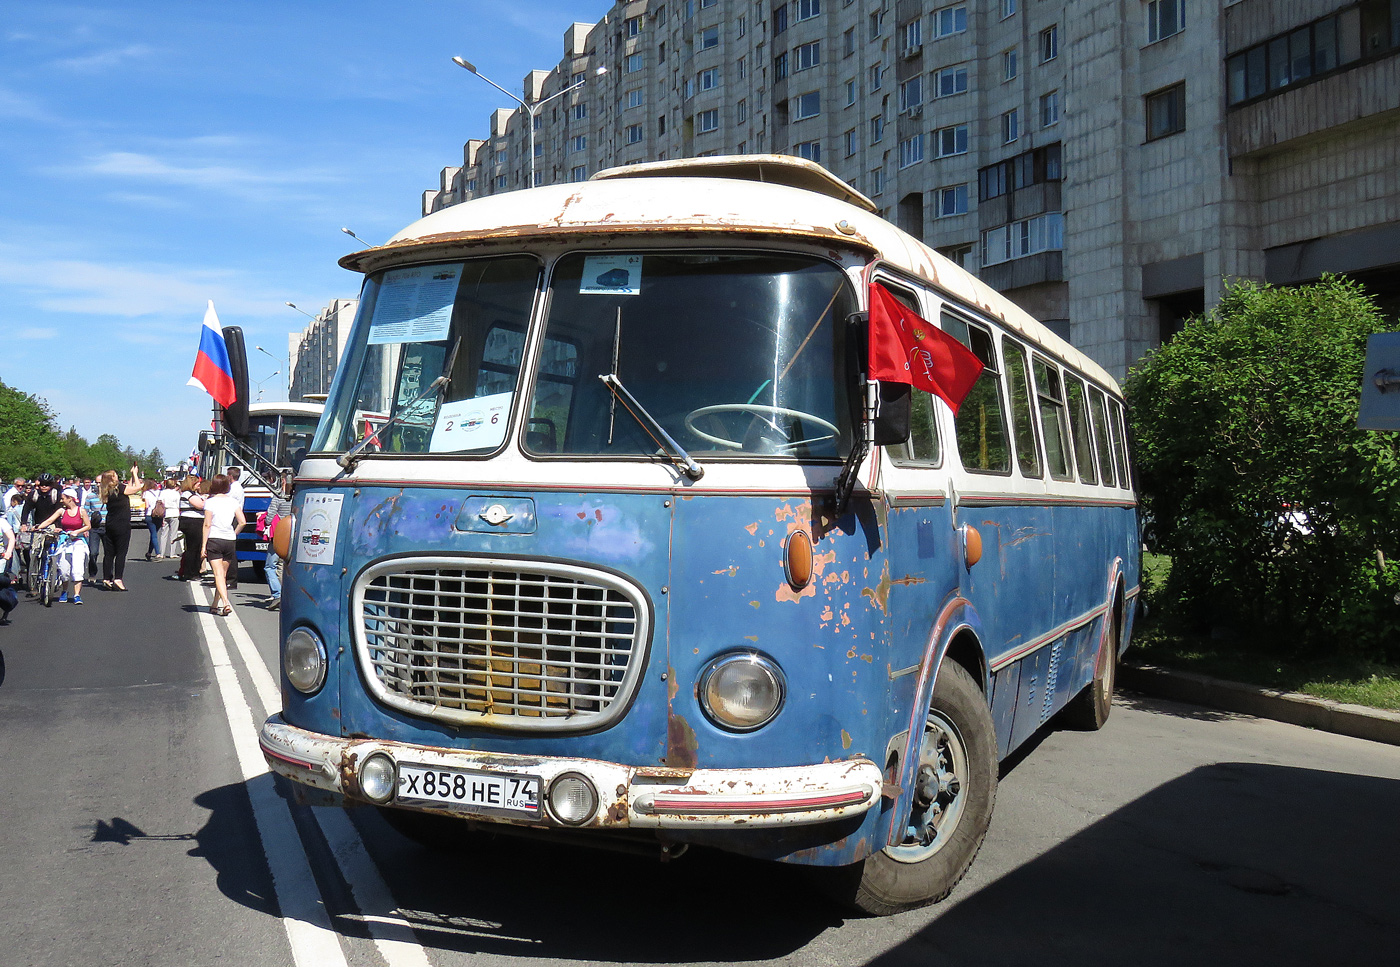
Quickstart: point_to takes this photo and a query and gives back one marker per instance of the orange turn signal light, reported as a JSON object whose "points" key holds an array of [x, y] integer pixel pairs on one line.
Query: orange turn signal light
{"points": [[798, 560]]}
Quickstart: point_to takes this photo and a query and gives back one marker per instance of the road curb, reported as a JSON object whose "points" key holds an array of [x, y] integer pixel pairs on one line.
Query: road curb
{"points": [[1269, 703]]}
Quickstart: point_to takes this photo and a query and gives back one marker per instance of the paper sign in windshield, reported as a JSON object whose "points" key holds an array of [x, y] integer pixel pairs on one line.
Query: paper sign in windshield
{"points": [[478, 424], [316, 528], [414, 305], [611, 275]]}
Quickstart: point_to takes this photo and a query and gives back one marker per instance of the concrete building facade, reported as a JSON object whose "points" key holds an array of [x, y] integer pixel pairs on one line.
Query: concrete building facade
{"points": [[314, 352], [1108, 164]]}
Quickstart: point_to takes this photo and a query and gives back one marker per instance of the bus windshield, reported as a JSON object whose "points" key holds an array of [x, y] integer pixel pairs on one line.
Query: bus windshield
{"points": [[733, 354]]}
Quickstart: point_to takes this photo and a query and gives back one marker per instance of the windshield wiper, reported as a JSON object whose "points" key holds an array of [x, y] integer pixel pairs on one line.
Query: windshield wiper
{"points": [[654, 429], [350, 457]]}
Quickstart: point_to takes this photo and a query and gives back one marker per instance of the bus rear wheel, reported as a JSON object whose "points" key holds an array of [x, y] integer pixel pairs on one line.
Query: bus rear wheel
{"points": [[955, 789], [1088, 711]]}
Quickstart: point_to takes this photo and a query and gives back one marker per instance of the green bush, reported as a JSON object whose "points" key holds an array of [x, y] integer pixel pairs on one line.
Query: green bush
{"points": [[1282, 518]]}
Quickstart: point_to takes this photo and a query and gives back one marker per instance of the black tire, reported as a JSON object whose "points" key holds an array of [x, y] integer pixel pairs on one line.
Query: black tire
{"points": [[31, 570], [1089, 710], [46, 594], [946, 827]]}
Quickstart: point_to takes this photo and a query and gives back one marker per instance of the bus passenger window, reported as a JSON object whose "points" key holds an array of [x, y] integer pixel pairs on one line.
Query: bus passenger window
{"points": [[922, 446], [1098, 411], [1022, 423], [1079, 419], [1052, 417], [982, 441], [1125, 478]]}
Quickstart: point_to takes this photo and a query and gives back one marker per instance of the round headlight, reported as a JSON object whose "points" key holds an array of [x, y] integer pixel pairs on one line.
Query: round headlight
{"points": [[304, 660], [378, 777], [741, 692], [572, 799]]}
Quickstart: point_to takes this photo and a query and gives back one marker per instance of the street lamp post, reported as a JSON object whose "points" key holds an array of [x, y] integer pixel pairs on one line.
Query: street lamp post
{"points": [[531, 107]]}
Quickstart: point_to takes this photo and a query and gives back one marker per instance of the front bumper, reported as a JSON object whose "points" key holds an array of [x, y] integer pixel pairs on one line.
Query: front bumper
{"points": [[629, 797]]}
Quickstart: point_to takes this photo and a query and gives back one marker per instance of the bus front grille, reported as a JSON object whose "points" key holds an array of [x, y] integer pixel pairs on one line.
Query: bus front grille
{"points": [[500, 643]]}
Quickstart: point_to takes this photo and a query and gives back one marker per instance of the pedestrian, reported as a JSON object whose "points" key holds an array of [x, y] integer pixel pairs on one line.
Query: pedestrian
{"points": [[91, 502], [9, 545], [150, 497], [14, 512], [191, 523], [116, 496], [278, 507], [235, 491], [18, 488], [223, 519], [170, 517], [39, 505], [73, 521]]}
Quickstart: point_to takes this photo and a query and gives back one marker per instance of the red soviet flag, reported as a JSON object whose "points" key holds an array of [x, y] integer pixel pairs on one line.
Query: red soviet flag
{"points": [[906, 348]]}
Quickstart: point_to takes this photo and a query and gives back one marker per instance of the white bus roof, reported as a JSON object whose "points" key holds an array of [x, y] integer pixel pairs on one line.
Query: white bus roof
{"points": [[285, 408], [702, 200]]}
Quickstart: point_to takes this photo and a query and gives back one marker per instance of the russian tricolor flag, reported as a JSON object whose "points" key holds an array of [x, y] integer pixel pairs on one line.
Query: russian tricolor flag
{"points": [[212, 372]]}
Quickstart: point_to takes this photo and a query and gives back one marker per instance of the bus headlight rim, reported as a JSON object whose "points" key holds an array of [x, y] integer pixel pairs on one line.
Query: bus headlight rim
{"points": [[379, 777], [304, 660], [732, 681]]}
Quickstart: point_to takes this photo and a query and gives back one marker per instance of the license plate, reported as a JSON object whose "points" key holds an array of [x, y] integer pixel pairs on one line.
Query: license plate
{"points": [[479, 792], [260, 545]]}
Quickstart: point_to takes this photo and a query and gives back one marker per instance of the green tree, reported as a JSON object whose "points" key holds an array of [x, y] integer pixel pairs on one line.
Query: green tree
{"points": [[1281, 517], [29, 441]]}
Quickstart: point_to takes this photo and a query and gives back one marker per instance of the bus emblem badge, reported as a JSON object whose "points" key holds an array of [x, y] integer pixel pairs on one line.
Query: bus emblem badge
{"points": [[495, 515]]}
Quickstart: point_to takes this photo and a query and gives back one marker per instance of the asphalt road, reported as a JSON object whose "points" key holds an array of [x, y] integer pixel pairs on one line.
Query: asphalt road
{"points": [[140, 827]]}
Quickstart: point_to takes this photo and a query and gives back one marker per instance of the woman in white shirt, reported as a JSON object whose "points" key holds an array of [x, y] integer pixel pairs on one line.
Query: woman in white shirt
{"points": [[223, 519], [170, 523], [150, 496]]}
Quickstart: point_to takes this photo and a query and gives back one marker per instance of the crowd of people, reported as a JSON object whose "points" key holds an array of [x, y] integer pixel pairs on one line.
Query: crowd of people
{"points": [[190, 519]]}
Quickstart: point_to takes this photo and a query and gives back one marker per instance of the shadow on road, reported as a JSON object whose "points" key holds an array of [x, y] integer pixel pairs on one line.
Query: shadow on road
{"points": [[1234, 863]]}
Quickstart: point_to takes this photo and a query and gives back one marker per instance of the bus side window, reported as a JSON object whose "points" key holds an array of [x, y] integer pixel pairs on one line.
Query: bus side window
{"points": [[1079, 420], [1053, 418], [1022, 423], [981, 421], [1098, 412], [1125, 477], [922, 446]]}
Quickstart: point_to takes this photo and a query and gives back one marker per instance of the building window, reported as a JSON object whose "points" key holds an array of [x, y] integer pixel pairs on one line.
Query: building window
{"points": [[539, 150], [1049, 109], [807, 9], [661, 125], [709, 37], [579, 174], [852, 142], [707, 3], [876, 24], [1030, 236], [636, 98], [580, 111], [1009, 66], [950, 141], [780, 14], [688, 88], [877, 75], [501, 157], [807, 56], [780, 66], [959, 255], [661, 52], [500, 181], [632, 64], [634, 133], [1050, 43], [911, 92], [807, 105], [1008, 8], [1166, 111], [851, 92], [1321, 47], [811, 150], [578, 142], [709, 79], [742, 26], [1010, 126], [950, 81], [949, 21], [634, 26], [742, 111], [877, 181], [707, 121], [848, 43], [877, 128], [742, 67], [911, 151], [1165, 18], [1026, 169], [911, 35], [952, 200]]}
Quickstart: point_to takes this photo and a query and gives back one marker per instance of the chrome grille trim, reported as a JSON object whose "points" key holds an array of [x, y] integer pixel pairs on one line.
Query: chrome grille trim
{"points": [[500, 643]]}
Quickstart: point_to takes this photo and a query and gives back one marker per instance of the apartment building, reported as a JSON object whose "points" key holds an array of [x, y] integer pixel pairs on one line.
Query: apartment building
{"points": [[313, 353], [1108, 164]]}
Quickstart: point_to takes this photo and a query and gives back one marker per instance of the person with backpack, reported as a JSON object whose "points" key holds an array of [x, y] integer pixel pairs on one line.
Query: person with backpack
{"points": [[150, 497]]}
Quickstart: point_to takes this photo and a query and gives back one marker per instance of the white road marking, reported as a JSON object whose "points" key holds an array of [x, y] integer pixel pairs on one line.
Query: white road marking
{"points": [[313, 942], [391, 933]]}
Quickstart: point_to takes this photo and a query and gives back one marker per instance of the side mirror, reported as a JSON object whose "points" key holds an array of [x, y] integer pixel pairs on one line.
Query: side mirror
{"points": [[892, 414]]}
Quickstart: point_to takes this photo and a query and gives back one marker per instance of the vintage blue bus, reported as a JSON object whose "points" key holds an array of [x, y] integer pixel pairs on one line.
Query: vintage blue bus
{"points": [[605, 532]]}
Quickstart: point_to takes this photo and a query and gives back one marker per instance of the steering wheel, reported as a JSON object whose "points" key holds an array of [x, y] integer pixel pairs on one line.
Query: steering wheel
{"points": [[762, 412]]}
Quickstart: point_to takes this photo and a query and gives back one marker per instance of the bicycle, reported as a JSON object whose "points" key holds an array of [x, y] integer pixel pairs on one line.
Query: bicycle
{"points": [[44, 577]]}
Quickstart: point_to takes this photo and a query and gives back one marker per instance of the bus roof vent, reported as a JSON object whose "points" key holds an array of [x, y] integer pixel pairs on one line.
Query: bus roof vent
{"points": [[773, 169]]}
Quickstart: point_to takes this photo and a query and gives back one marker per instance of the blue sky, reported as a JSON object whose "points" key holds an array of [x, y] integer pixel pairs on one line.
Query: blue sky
{"points": [[157, 155]]}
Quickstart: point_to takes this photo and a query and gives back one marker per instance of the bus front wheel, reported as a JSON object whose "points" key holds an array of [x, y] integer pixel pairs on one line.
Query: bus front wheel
{"points": [[955, 784]]}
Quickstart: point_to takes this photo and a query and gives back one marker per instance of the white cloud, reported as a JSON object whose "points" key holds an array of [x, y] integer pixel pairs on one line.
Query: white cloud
{"points": [[37, 332], [106, 59], [21, 107]]}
